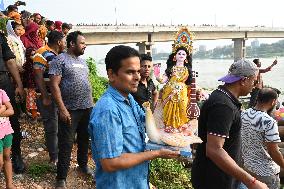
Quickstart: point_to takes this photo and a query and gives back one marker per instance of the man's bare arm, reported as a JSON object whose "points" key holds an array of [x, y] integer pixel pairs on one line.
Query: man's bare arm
{"points": [[268, 68], [56, 93], [13, 70], [275, 154], [215, 151], [128, 160], [55, 90], [155, 97], [40, 83]]}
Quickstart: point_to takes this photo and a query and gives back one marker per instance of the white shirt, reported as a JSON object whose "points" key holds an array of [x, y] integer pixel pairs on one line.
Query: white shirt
{"points": [[257, 129]]}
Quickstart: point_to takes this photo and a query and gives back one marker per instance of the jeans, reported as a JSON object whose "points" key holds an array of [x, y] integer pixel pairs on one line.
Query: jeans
{"points": [[272, 182], [7, 85], [242, 186], [50, 122], [66, 138]]}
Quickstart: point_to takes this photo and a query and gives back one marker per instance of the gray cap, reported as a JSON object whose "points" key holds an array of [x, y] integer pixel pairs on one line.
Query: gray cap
{"points": [[238, 70]]}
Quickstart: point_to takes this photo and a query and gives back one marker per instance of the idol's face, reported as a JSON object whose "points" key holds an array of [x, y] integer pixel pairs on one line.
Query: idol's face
{"points": [[181, 56]]}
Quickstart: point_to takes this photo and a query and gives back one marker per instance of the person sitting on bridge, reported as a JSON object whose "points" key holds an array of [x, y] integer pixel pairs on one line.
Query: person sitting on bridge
{"points": [[259, 84]]}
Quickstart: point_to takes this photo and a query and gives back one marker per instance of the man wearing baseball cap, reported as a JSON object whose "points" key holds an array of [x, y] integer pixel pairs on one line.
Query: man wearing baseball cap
{"points": [[216, 165]]}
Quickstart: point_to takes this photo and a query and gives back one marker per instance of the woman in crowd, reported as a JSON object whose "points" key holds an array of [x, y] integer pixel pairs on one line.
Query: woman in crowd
{"points": [[14, 31], [29, 83], [31, 38], [58, 25]]}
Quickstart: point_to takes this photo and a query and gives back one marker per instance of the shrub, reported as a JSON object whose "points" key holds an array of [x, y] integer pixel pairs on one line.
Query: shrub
{"points": [[38, 170], [170, 174], [99, 84]]}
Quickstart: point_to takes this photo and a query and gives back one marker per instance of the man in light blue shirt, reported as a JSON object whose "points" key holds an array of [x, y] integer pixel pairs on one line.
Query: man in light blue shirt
{"points": [[117, 127]]}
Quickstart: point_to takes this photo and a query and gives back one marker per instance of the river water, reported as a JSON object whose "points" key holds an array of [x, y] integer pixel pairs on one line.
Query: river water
{"points": [[210, 70]]}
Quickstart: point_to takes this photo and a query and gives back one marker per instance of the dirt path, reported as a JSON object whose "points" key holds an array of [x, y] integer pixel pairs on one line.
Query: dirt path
{"points": [[40, 174]]}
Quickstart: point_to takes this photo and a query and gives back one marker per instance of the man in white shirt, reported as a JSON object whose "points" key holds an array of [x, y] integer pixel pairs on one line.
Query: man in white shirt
{"points": [[260, 138]]}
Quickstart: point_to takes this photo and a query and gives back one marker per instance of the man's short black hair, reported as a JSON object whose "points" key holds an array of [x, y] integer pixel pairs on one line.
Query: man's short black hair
{"points": [[49, 23], [145, 57], [256, 60], [11, 8], [66, 26], [72, 37], [276, 90], [25, 14], [265, 95], [54, 36], [117, 54]]}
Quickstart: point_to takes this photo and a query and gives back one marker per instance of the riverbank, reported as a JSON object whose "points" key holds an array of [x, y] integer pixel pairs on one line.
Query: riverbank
{"points": [[39, 173]]}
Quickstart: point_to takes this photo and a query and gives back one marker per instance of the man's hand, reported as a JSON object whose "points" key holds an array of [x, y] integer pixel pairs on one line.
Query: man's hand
{"points": [[46, 101], [258, 185], [274, 62], [65, 116], [168, 154], [2, 109], [20, 92]]}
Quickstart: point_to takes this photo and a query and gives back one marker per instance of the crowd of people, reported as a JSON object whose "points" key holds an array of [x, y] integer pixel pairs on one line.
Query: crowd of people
{"points": [[29, 42], [239, 149]]}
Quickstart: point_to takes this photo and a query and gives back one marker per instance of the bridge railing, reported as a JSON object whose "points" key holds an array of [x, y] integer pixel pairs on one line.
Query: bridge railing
{"points": [[168, 28]]}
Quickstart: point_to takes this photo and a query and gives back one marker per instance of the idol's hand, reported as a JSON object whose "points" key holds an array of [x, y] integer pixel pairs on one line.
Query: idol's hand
{"points": [[157, 71]]}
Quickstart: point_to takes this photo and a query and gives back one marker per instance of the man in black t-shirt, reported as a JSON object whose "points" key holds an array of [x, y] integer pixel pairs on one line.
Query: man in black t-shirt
{"points": [[216, 165], [146, 89]]}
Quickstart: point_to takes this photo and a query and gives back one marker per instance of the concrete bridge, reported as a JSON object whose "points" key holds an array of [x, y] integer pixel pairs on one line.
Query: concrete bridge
{"points": [[146, 35]]}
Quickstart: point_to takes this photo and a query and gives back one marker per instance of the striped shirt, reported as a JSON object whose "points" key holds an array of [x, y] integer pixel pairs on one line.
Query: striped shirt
{"points": [[42, 58], [257, 129]]}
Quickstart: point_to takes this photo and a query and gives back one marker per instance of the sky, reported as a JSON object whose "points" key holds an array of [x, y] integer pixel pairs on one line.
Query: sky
{"points": [[219, 12]]}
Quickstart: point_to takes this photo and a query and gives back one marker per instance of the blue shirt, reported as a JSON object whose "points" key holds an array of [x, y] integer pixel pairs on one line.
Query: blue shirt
{"points": [[75, 86], [117, 127]]}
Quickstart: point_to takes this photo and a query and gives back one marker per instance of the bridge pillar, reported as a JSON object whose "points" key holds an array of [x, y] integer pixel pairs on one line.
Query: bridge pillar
{"points": [[239, 48], [145, 47]]}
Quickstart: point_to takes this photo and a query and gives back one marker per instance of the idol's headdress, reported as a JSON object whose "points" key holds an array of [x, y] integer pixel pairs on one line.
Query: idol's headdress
{"points": [[184, 39]]}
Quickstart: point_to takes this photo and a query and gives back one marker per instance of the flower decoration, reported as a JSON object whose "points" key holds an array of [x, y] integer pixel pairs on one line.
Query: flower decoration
{"points": [[279, 114]]}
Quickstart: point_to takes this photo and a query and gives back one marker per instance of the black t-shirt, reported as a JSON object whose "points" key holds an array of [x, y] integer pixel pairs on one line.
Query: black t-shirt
{"points": [[144, 93], [5, 52], [221, 116]]}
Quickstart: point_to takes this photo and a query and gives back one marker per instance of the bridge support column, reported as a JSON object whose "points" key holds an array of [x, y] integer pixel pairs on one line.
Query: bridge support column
{"points": [[239, 48], [145, 47]]}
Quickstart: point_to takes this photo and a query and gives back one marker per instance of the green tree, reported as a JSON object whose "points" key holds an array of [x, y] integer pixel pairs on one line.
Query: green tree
{"points": [[99, 84]]}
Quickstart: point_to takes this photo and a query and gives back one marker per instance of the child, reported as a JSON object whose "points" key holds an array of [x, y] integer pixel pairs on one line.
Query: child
{"points": [[6, 137]]}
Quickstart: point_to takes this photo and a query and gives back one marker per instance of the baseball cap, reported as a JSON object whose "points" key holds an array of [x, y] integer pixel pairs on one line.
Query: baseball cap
{"points": [[238, 70]]}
